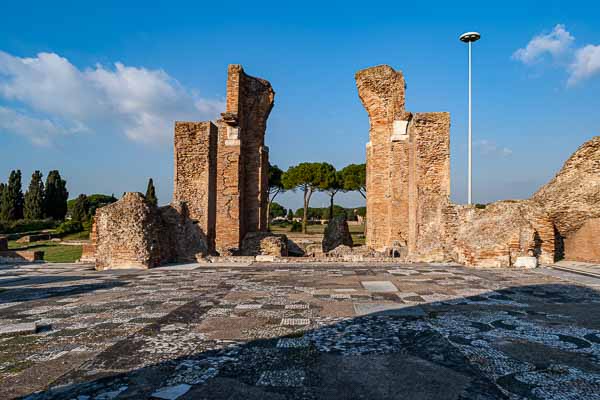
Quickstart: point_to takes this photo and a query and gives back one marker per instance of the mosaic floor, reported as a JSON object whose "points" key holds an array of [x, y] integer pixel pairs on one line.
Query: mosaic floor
{"points": [[298, 332]]}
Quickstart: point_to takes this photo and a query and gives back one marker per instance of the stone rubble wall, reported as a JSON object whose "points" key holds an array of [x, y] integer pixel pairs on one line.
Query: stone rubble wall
{"points": [[264, 244], [496, 235], [128, 234], [572, 198]]}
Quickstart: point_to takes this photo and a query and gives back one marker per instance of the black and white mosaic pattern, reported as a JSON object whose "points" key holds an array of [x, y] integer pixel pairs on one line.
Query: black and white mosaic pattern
{"points": [[311, 332]]}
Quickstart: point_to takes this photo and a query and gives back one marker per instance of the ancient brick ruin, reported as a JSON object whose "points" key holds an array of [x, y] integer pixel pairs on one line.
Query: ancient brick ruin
{"points": [[220, 194], [409, 213], [220, 190], [408, 169]]}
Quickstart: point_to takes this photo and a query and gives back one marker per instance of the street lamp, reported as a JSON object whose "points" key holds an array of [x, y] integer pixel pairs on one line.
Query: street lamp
{"points": [[470, 37]]}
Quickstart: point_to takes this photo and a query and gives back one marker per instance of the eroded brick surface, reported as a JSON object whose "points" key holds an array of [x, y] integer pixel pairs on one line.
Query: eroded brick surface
{"points": [[573, 197]]}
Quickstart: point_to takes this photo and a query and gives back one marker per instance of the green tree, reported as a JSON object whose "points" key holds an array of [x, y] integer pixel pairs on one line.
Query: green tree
{"points": [[151, 193], [2, 188], [355, 178], [81, 208], [308, 177], [12, 198], [34, 198], [95, 200], [55, 196], [290, 215], [275, 185], [277, 210], [333, 182]]}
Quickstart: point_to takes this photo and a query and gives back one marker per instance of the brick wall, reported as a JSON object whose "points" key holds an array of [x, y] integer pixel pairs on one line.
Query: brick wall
{"points": [[195, 173], [584, 244]]}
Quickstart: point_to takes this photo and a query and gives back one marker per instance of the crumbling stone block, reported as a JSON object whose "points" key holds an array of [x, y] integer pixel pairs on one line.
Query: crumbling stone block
{"points": [[500, 233], [20, 256], [340, 251], [128, 234], [336, 234], [264, 243]]}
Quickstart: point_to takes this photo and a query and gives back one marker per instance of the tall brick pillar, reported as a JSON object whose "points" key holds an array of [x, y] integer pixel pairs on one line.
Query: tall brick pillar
{"points": [[408, 166], [195, 146], [242, 186]]}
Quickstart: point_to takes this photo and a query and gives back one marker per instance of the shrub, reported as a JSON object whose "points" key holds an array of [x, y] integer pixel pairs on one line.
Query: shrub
{"points": [[69, 227], [296, 227], [26, 225]]}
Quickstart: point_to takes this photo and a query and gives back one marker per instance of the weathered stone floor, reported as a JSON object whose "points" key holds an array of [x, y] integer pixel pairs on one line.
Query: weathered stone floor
{"points": [[298, 332]]}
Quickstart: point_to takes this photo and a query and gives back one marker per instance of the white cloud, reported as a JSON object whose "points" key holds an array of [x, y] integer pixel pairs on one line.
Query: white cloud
{"points": [[488, 147], [580, 63], [554, 43], [585, 65], [40, 131], [58, 98]]}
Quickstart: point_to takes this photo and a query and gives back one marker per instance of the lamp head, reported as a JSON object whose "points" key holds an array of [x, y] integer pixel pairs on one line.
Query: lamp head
{"points": [[470, 37]]}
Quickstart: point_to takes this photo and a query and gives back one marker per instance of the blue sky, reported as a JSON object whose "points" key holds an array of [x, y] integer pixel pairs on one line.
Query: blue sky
{"points": [[92, 88]]}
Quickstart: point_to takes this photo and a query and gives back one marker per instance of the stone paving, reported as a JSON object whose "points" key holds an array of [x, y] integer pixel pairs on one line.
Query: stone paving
{"points": [[309, 331]]}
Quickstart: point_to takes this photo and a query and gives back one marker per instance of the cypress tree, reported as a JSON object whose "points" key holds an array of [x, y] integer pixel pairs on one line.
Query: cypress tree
{"points": [[55, 196], [34, 198], [151, 193], [2, 187], [81, 209], [3, 200], [12, 198]]}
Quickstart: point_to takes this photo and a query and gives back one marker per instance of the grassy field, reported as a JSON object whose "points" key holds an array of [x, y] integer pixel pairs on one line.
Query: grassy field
{"points": [[83, 235], [357, 231], [53, 252]]}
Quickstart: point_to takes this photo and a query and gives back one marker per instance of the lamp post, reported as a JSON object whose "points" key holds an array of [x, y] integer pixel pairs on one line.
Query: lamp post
{"points": [[470, 37]]}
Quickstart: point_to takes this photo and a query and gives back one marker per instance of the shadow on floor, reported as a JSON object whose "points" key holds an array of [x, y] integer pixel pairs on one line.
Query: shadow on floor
{"points": [[538, 342]]}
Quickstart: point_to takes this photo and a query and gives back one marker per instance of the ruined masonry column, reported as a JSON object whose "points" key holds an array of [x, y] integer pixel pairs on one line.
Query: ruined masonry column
{"points": [[381, 90], [242, 165]]}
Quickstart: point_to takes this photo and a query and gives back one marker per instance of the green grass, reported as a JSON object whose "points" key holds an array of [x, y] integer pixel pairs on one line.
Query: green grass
{"points": [[357, 231], [53, 252], [83, 235]]}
